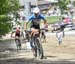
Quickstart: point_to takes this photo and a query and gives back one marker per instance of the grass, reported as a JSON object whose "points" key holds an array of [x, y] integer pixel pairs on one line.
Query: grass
{"points": [[53, 19]]}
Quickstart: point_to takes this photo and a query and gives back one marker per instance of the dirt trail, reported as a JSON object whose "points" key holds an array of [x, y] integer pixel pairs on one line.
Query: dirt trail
{"points": [[54, 54]]}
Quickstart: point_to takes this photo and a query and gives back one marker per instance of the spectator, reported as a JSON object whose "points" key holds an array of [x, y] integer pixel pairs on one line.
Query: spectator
{"points": [[66, 19], [59, 35]]}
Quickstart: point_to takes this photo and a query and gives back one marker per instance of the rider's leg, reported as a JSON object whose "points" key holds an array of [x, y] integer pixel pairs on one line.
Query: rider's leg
{"points": [[60, 36], [31, 43], [34, 30], [33, 33], [31, 40]]}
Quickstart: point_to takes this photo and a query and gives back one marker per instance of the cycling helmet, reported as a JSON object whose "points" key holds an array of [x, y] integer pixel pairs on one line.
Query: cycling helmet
{"points": [[36, 10]]}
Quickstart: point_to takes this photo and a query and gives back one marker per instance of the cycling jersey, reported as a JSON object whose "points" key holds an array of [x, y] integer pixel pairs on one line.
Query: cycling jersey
{"points": [[17, 33], [36, 20]]}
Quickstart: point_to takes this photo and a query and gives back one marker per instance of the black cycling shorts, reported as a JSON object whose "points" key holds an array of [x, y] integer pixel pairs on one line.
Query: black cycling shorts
{"points": [[35, 26], [17, 34]]}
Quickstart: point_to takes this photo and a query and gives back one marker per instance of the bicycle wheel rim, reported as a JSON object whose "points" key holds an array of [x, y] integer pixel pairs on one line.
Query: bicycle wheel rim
{"points": [[39, 50], [34, 49], [18, 45]]}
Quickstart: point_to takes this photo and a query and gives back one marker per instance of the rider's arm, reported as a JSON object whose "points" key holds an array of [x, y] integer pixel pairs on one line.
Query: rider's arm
{"points": [[26, 25], [45, 21], [29, 19]]}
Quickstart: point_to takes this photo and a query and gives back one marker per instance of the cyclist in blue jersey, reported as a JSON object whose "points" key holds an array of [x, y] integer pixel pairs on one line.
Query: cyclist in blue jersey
{"points": [[35, 20]]}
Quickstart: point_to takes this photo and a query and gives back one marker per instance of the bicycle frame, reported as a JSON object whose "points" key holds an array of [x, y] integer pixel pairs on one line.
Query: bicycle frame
{"points": [[18, 43], [37, 45]]}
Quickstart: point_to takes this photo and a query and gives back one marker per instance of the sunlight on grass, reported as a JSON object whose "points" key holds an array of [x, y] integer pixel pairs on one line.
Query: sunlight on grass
{"points": [[53, 19]]}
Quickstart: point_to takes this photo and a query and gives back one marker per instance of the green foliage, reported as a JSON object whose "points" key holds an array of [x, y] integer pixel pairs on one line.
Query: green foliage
{"points": [[74, 3], [7, 6], [67, 1], [63, 4], [5, 24]]}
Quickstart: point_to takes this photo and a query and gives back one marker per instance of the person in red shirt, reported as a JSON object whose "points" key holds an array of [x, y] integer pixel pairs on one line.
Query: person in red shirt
{"points": [[17, 33], [66, 19]]}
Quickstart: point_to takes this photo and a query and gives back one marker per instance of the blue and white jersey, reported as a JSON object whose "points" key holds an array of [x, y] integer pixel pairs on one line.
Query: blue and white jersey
{"points": [[36, 20]]}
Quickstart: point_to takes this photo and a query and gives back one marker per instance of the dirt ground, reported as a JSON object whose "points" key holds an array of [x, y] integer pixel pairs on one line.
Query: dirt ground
{"points": [[53, 53], [64, 51]]}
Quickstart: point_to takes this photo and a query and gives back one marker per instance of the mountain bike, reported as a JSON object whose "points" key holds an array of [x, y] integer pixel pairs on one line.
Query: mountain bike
{"points": [[36, 45], [18, 43]]}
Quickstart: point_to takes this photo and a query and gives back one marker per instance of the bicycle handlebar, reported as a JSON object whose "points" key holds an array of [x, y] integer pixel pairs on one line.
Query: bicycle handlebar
{"points": [[38, 29]]}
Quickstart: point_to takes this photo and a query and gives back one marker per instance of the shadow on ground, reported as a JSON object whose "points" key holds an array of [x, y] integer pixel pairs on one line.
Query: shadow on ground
{"points": [[34, 61]]}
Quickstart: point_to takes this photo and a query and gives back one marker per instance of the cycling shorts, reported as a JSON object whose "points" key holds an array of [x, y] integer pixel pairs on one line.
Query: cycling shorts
{"points": [[35, 26], [17, 34]]}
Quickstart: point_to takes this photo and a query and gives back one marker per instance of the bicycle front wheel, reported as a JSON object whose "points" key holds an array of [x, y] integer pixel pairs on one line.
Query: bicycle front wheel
{"points": [[39, 49], [18, 44]]}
